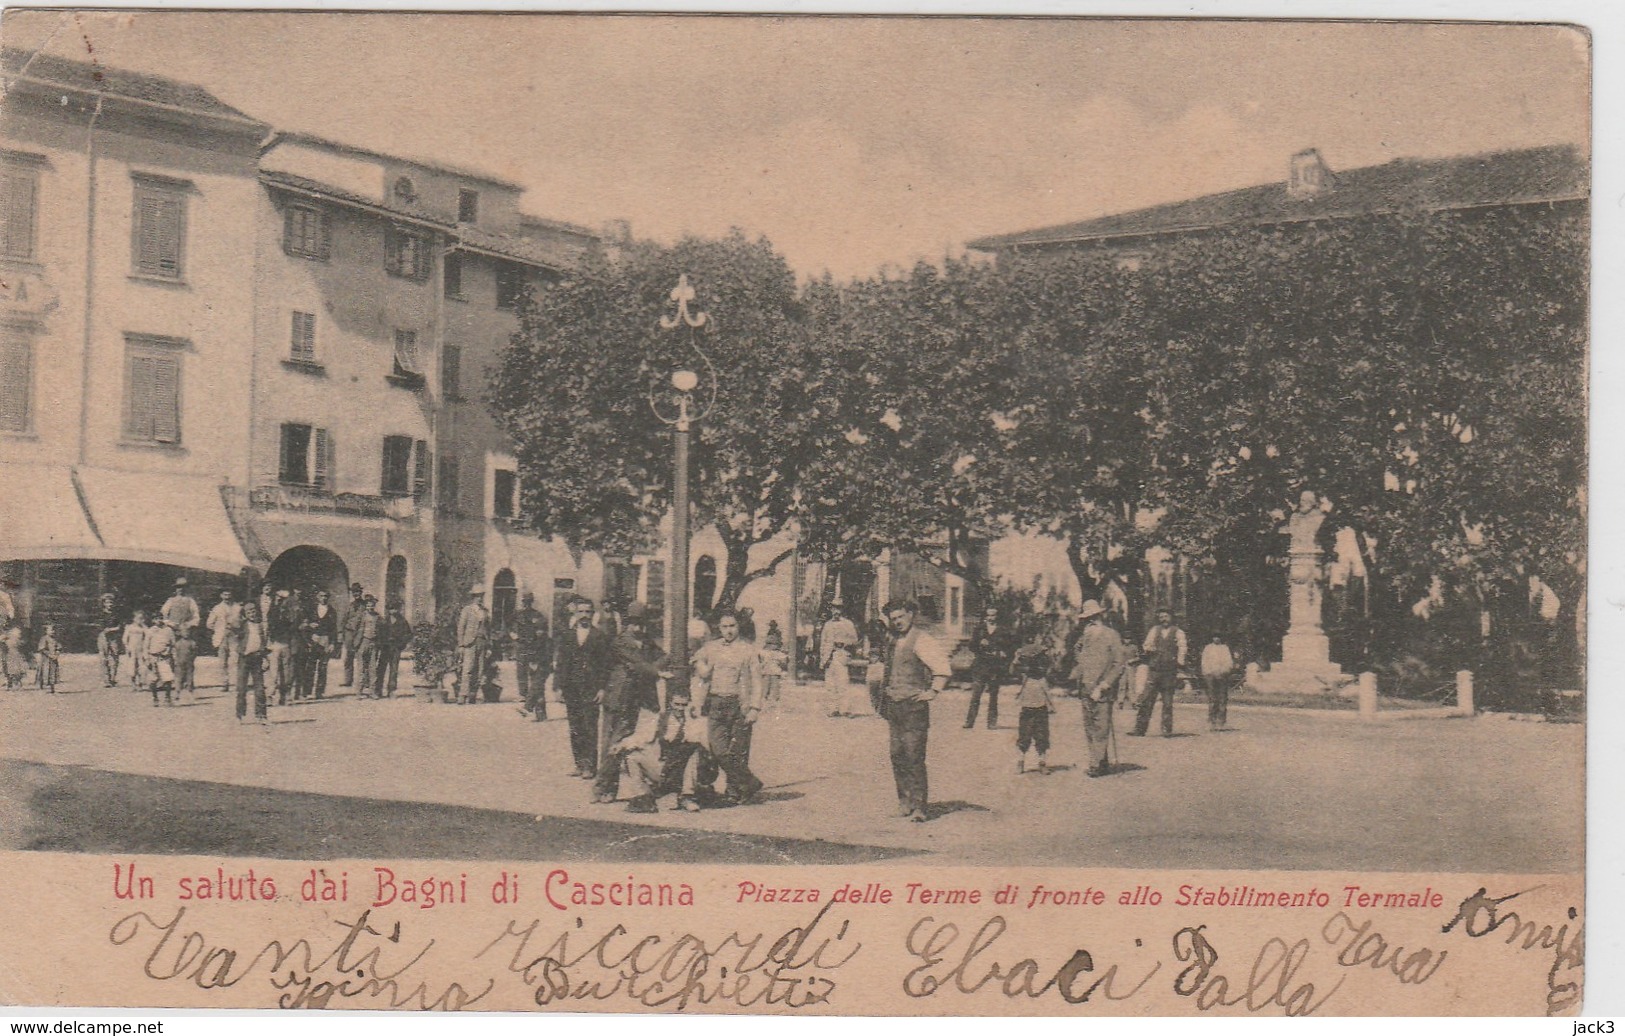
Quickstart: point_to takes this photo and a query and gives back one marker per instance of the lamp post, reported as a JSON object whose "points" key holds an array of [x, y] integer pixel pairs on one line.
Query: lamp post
{"points": [[683, 382]]}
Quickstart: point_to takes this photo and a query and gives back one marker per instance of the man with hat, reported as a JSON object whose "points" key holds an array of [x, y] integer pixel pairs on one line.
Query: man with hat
{"points": [[635, 669], [109, 638], [321, 629], [225, 626], [281, 630], [1165, 650], [1098, 662], [369, 645], [532, 656], [917, 669], [181, 610], [352, 633], [473, 644], [580, 672]]}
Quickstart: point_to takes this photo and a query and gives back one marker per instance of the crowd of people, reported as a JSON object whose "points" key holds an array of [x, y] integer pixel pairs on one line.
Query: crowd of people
{"points": [[693, 742]]}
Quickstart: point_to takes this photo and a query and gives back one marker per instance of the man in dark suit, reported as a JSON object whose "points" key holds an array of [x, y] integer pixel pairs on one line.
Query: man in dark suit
{"points": [[581, 672], [992, 647], [532, 657], [634, 674], [321, 629]]}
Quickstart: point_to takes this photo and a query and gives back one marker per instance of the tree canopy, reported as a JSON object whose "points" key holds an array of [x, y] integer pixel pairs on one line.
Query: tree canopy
{"points": [[1423, 371]]}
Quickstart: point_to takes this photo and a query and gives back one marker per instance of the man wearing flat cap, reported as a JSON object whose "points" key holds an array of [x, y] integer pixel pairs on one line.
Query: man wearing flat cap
{"points": [[473, 644], [532, 656]]}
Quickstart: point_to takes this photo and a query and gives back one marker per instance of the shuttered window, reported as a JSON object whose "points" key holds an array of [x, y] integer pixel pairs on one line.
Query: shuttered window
{"points": [[451, 371], [421, 463], [158, 248], [510, 284], [505, 493], [307, 456], [152, 395], [447, 495], [303, 346], [16, 380], [397, 474], [452, 267], [306, 232], [19, 188], [406, 254], [406, 354]]}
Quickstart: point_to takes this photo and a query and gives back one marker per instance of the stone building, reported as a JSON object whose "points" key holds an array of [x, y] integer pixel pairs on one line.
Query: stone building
{"points": [[127, 204]]}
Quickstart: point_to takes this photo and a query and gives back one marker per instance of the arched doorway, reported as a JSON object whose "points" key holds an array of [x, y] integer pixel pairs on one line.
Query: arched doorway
{"points": [[705, 584], [504, 602], [308, 569], [395, 583]]}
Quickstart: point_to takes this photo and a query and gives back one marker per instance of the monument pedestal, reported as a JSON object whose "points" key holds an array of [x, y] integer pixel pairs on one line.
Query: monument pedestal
{"points": [[1305, 667]]}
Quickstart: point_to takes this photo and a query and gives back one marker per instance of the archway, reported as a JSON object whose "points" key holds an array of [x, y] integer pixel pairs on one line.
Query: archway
{"points": [[504, 601], [395, 582], [705, 584], [308, 569]]}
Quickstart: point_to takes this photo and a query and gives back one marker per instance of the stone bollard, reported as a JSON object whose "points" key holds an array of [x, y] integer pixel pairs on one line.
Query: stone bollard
{"points": [[1368, 696], [1464, 692], [1250, 678]]}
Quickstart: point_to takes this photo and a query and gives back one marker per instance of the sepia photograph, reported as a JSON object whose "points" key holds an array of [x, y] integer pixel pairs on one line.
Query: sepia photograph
{"points": [[643, 462]]}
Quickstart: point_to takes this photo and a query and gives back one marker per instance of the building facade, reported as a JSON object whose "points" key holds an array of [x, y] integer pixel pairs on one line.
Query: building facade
{"points": [[242, 355], [124, 335]]}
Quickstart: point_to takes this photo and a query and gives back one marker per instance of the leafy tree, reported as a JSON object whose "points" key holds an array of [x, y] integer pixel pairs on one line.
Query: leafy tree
{"points": [[573, 391]]}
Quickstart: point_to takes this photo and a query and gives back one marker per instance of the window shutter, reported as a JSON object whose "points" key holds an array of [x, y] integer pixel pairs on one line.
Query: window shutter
{"points": [[169, 236], [451, 370], [321, 458], [16, 380], [290, 230], [138, 413], [146, 233], [287, 463], [324, 235], [166, 409], [303, 346], [420, 469], [17, 215]]}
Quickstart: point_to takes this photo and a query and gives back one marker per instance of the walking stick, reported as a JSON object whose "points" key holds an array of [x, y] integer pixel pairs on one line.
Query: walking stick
{"points": [[1111, 732]]}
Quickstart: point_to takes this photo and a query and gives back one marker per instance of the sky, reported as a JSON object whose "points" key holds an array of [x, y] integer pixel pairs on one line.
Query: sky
{"points": [[857, 144]]}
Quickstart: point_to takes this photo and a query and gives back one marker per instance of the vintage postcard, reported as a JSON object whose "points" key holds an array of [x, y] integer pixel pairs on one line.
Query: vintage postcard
{"points": [[793, 515]]}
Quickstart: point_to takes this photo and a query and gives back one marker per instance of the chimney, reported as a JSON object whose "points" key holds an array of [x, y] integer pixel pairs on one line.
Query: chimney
{"points": [[1308, 175]]}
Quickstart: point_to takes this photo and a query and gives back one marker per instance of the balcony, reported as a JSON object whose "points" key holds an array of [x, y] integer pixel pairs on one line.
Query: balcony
{"points": [[309, 500]]}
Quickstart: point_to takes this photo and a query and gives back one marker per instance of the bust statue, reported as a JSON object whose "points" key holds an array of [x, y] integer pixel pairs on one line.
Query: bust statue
{"points": [[1304, 525]]}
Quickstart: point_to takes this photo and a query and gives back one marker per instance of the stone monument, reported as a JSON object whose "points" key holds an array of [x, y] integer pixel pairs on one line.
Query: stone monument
{"points": [[1306, 663]]}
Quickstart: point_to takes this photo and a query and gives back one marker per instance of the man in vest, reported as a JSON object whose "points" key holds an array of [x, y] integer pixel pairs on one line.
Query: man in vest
{"points": [[917, 669], [1164, 650]]}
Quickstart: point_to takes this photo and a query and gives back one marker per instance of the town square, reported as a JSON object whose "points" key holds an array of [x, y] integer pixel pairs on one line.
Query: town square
{"points": [[1161, 473]]}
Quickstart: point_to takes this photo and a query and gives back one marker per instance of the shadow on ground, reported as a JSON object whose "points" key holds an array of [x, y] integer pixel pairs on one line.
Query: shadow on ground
{"points": [[77, 809]]}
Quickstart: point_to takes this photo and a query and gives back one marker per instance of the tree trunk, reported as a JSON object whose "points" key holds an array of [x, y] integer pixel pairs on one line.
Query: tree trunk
{"points": [[1090, 586]]}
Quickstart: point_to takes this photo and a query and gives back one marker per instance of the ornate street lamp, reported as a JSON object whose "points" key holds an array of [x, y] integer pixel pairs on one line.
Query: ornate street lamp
{"points": [[683, 383]]}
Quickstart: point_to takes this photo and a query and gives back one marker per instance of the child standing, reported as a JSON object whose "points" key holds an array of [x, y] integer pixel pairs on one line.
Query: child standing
{"points": [[1032, 664], [135, 644], [160, 651], [47, 659]]}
